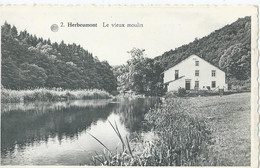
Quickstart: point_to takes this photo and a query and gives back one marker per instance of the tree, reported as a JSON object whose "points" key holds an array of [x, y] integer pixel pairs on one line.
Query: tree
{"points": [[29, 62], [35, 76], [6, 29], [14, 31], [12, 76], [141, 75], [236, 62], [212, 47]]}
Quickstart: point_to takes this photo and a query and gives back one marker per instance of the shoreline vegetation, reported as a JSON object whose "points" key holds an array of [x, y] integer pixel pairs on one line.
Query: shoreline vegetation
{"points": [[55, 94], [204, 130], [189, 132]]}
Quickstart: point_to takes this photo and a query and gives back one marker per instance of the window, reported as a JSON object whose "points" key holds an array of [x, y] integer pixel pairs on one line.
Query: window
{"points": [[176, 74], [197, 73], [196, 63], [213, 73], [197, 84], [213, 84]]}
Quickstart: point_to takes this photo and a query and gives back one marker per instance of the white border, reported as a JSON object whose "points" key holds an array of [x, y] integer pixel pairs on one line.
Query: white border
{"points": [[151, 2]]}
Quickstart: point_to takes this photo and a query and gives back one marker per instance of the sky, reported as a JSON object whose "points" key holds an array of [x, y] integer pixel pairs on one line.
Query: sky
{"points": [[164, 28]]}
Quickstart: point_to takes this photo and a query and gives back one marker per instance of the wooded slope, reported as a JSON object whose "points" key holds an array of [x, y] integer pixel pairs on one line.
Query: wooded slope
{"points": [[31, 62], [228, 48]]}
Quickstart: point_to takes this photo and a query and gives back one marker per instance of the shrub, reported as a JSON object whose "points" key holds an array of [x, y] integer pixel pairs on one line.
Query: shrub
{"points": [[181, 92]]}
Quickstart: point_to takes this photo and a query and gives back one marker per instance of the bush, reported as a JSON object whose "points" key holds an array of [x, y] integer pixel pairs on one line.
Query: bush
{"points": [[181, 92]]}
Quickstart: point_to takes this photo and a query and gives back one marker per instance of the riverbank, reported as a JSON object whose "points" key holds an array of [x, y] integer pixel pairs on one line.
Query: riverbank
{"points": [[43, 94], [194, 131]]}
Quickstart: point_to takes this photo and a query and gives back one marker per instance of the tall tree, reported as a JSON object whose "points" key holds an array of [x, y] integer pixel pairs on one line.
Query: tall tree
{"points": [[30, 62]]}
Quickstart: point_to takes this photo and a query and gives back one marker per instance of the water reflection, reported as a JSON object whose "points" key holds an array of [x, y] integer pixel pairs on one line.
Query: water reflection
{"points": [[132, 112], [46, 133]]}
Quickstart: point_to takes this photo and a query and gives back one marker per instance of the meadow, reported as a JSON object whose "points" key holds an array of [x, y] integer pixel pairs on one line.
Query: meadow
{"points": [[55, 94], [228, 118], [193, 131]]}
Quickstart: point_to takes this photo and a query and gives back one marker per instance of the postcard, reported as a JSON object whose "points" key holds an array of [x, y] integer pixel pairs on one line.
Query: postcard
{"points": [[157, 85]]}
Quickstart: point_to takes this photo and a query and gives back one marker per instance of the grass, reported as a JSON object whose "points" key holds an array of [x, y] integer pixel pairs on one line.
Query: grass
{"points": [[201, 131], [43, 94], [228, 118], [183, 140], [124, 157]]}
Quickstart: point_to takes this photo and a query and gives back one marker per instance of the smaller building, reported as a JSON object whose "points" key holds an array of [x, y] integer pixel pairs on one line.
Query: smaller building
{"points": [[194, 73]]}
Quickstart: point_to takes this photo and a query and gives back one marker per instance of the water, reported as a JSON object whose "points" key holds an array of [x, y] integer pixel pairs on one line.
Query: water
{"points": [[46, 133]]}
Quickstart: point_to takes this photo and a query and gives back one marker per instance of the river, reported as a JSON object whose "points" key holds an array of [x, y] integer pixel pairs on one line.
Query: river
{"points": [[56, 133]]}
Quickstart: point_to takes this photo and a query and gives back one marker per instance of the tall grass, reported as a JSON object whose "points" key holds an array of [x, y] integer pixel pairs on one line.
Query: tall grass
{"points": [[121, 158], [55, 94], [182, 140], [185, 139]]}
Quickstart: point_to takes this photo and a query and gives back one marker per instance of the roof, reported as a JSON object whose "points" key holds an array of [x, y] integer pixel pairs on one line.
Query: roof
{"points": [[173, 80], [188, 58]]}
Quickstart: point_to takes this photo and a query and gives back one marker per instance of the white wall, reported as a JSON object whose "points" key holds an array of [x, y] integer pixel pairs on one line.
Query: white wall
{"points": [[187, 68], [176, 84]]}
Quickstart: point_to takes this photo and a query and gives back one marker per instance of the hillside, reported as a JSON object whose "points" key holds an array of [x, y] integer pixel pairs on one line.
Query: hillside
{"points": [[30, 62], [228, 48]]}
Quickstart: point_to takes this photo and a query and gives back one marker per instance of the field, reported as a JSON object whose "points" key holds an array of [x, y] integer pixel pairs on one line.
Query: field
{"points": [[229, 120]]}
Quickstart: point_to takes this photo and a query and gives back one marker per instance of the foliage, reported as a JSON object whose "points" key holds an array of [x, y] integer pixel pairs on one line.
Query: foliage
{"points": [[181, 92], [227, 48], [140, 75], [182, 140], [26, 57], [231, 43], [29, 62], [55, 94], [236, 61]]}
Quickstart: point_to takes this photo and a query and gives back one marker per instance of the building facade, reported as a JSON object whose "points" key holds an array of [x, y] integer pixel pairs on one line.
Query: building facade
{"points": [[194, 73]]}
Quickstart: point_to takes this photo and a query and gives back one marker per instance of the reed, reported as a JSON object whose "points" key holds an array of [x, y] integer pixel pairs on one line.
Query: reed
{"points": [[182, 140], [124, 157], [185, 139], [55, 94]]}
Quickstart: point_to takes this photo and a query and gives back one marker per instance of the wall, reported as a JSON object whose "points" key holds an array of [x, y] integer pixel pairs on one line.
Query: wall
{"points": [[187, 68]]}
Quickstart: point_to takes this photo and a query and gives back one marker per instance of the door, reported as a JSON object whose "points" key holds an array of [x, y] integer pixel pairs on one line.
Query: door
{"points": [[187, 84], [196, 85]]}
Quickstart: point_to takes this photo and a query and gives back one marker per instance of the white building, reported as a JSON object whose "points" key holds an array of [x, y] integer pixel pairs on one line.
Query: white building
{"points": [[194, 73]]}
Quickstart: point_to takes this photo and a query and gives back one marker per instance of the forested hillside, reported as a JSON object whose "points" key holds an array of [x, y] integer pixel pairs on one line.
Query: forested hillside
{"points": [[228, 48], [30, 62]]}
